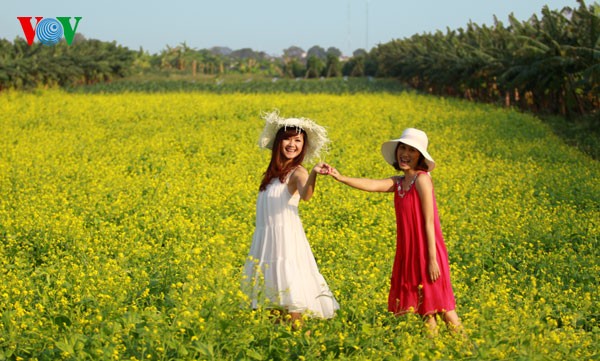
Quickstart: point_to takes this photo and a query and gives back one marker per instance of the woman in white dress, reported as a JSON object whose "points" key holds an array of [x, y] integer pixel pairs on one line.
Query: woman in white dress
{"points": [[281, 271]]}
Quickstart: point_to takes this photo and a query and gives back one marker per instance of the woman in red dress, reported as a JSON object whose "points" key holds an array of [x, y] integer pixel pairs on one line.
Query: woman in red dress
{"points": [[420, 279]]}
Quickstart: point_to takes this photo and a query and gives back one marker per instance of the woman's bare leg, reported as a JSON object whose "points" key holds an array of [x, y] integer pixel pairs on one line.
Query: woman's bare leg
{"points": [[296, 319], [277, 315], [452, 321], [431, 324]]}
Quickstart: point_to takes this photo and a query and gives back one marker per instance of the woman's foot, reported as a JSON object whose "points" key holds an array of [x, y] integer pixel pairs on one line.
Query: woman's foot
{"points": [[296, 319], [431, 325], [453, 322]]}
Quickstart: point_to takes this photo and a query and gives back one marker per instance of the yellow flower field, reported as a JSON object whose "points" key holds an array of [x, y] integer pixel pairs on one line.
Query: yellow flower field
{"points": [[125, 220]]}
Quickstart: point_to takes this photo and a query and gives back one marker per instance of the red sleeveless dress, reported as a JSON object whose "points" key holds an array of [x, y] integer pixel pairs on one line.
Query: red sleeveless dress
{"points": [[411, 289]]}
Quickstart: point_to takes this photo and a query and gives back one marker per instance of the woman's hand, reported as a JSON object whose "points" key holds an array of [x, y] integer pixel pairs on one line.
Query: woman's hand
{"points": [[434, 270], [321, 168], [329, 170]]}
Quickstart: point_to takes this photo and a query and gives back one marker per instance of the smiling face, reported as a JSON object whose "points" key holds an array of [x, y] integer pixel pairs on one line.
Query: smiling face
{"points": [[408, 157], [287, 153], [292, 147]]}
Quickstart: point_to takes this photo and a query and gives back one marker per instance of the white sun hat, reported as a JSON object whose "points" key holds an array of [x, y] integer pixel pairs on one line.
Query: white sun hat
{"points": [[415, 138], [316, 134]]}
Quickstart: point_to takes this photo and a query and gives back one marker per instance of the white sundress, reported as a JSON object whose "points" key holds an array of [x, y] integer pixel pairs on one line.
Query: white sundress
{"points": [[280, 266]]}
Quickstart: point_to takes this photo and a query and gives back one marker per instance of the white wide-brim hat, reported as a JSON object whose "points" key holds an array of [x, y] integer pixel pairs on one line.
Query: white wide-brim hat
{"points": [[415, 138], [316, 134]]}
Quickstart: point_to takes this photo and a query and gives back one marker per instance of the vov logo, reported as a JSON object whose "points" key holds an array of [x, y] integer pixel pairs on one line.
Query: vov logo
{"points": [[49, 31]]}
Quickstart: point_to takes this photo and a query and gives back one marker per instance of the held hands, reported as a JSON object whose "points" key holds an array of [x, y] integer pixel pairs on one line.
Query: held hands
{"points": [[321, 168], [326, 169]]}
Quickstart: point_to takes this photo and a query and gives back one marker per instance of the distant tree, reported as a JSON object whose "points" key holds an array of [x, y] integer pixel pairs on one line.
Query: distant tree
{"points": [[546, 64], [168, 57], [142, 61], [90, 61], [245, 53], [293, 62], [362, 65], [334, 51], [359, 67], [317, 51], [294, 52], [371, 66], [359, 52], [333, 66], [314, 67], [293, 68], [245, 60]]}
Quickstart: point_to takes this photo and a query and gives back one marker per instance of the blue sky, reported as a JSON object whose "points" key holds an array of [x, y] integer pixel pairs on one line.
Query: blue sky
{"points": [[267, 25]]}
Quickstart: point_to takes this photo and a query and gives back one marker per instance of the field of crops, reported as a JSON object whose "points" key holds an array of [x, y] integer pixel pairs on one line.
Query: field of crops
{"points": [[125, 220]]}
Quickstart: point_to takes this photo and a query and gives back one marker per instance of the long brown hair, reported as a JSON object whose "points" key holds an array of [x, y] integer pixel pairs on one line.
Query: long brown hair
{"points": [[277, 168]]}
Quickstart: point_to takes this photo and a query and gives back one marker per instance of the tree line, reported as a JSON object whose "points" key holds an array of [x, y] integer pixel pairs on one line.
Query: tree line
{"points": [[545, 64], [89, 61], [548, 64], [85, 62], [294, 63]]}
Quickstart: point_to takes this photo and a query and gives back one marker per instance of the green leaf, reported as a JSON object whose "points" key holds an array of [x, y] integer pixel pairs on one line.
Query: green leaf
{"points": [[254, 355]]}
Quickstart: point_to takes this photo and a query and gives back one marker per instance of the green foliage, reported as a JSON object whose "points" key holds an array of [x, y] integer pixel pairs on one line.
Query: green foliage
{"points": [[333, 68], [83, 62], [548, 65], [314, 67], [250, 85]]}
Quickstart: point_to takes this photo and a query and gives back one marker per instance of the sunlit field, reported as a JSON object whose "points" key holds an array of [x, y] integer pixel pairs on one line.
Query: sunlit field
{"points": [[125, 220]]}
